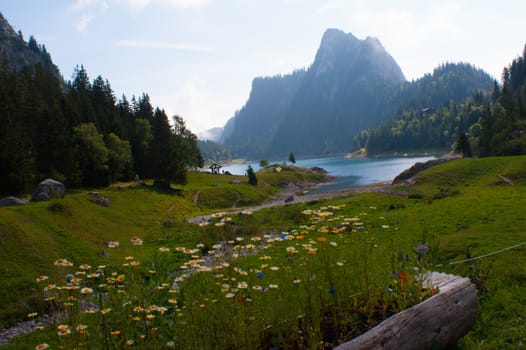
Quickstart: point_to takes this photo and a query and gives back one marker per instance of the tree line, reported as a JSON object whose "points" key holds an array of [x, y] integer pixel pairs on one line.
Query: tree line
{"points": [[79, 133], [491, 123]]}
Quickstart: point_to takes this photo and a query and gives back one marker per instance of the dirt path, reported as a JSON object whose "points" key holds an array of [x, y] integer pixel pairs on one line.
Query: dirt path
{"points": [[290, 196]]}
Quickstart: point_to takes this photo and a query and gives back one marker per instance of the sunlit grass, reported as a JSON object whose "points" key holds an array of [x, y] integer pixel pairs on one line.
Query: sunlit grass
{"points": [[318, 284], [474, 213]]}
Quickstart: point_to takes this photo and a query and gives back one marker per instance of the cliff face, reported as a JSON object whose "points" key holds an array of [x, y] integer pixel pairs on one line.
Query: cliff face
{"points": [[318, 111], [16, 54]]}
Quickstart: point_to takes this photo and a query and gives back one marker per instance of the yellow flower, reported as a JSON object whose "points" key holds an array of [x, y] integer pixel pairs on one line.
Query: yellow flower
{"points": [[115, 332], [86, 290], [63, 330], [42, 278], [105, 311], [136, 240], [63, 262], [32, 315], [150, 316], [112, 244], [120, 278], [84, 267], [82, 328], [322, 239], [164, 249]]}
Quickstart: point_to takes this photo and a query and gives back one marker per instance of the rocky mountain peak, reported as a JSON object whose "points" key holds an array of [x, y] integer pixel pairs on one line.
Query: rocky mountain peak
{"points": [[363, 58]]}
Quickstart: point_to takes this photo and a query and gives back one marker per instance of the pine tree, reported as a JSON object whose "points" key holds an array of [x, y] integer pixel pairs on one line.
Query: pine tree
{"points": [[291, 158], [252, 178]]}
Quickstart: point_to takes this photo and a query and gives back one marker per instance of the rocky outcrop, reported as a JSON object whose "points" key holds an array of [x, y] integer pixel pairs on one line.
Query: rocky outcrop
{"points": [[49, 189], [415, 169], [12, 201]]}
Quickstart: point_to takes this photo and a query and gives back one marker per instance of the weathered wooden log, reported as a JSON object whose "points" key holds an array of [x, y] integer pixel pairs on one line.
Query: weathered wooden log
{"points": [[436, 323]]}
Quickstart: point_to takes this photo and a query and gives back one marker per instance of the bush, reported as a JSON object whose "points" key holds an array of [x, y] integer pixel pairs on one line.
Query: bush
{"points": [[252, 179]]}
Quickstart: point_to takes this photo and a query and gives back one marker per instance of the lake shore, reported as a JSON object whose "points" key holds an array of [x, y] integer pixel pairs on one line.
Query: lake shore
{"points": [[298, 193]]}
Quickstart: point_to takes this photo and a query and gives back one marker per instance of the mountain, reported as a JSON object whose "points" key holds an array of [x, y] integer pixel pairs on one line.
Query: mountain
{"points": [[317, 111], [431, 112], [16, 54], [352, 85], [213, 134]]}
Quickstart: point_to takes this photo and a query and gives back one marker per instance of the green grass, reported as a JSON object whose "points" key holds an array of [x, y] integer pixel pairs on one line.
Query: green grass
{"points": [[75, 228], [463, 208]]}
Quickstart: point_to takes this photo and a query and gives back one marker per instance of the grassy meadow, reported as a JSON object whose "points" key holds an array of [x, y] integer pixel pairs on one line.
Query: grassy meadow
{"points": [[300, 276]]}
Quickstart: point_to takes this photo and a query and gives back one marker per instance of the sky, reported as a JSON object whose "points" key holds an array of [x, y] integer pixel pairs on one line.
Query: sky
{"points": [[197, 58]]}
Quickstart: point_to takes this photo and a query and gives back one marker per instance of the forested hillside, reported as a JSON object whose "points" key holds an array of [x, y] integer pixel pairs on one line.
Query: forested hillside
{"points": [[77, 131], [351, 86], [483, 124]]}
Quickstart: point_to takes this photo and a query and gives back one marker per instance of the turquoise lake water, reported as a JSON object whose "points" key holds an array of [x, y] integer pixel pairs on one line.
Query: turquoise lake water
{"points": [[350, 172]]}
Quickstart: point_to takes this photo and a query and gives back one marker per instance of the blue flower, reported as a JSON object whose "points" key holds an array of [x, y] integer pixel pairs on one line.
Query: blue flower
{"points": [[332, 291], [260, 274]]}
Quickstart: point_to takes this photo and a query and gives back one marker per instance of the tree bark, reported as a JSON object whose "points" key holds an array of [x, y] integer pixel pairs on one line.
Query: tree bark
{"points": [[436, 323]]}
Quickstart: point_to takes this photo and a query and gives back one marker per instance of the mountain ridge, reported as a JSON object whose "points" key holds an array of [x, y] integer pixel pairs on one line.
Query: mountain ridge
{"points": [[16, 54], [335, 93]]}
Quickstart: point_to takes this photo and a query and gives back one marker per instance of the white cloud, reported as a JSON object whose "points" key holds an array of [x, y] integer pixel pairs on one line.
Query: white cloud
{"points": [[328, 7], [162, 45], [87, 11], [139, 4], [82, 4], [415, 36], [200, 106], [83, 21]]}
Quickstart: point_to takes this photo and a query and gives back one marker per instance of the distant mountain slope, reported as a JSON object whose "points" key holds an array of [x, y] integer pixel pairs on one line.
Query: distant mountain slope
{"points": [[351, 86], [346, 89], [16, 54], [433, 110]]}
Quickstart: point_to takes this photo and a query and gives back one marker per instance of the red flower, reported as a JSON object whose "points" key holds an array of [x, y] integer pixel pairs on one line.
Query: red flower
{"points": [[402, 276]]}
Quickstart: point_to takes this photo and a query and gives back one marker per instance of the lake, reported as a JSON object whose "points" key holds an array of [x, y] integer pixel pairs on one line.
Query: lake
{"points": [[350, 172]]}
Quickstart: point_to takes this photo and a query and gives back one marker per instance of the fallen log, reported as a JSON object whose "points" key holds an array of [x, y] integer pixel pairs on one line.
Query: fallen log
{"points": [[436, 323]]}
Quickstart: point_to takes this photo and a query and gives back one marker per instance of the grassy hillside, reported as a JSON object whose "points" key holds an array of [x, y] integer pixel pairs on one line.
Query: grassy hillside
{"points": [[75, 228], [461, 209]]}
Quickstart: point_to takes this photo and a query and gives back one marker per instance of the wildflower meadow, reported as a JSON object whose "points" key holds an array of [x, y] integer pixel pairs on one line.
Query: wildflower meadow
{"points": [[311, 287]]}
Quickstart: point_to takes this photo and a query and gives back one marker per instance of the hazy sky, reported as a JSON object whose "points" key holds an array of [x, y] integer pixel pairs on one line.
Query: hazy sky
{"points": [[197, 58]]}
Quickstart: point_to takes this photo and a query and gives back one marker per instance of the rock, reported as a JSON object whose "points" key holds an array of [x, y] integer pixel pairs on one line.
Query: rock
{"points": [[101, 200], [289, 199], [318, 170], [235, 182], [11, 201], [415, 169], [49, 189]]}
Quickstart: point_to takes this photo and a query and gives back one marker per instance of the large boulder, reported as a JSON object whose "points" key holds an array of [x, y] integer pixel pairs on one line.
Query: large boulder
{"points": [[10, 201], [49, 189], [416, 168]]}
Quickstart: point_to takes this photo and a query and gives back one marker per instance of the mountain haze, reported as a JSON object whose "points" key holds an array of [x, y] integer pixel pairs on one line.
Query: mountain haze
{"points": [[352, 85], [345, 90]]}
